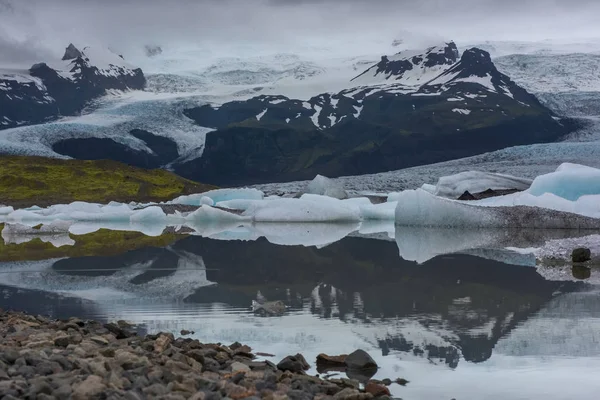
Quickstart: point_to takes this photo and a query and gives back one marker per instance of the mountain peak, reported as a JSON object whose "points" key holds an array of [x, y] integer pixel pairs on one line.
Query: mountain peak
{"points": [[478, 61], [71, 52], [411, 67]]}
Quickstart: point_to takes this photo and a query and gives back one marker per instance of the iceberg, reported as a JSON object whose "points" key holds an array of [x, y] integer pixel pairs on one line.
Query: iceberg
{"points": [[309, 208], [569, 181], [208, 214], [4, 210], [218, 196], [421, 208], [324, 186], [148, 215], [453, 186]]}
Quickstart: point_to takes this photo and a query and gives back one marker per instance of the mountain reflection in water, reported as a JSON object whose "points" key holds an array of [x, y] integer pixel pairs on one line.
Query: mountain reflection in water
{"points": [[449, 312]]}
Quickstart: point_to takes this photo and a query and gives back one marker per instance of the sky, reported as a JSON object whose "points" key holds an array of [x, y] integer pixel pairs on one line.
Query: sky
{"points": [[34, 30]]}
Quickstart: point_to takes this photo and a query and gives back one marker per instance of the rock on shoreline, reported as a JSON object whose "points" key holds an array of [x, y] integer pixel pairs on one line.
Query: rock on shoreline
{"points": [[49, 359]]}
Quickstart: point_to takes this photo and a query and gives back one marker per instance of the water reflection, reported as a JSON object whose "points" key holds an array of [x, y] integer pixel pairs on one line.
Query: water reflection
{"points": [[466, 313]]}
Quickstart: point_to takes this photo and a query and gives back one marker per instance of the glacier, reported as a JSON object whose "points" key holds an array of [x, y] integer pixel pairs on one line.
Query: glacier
{"points": [[454, 186]]}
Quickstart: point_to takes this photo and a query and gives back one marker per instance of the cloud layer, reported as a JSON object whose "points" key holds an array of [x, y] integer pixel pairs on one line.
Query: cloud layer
{"points": [[32, 30]]}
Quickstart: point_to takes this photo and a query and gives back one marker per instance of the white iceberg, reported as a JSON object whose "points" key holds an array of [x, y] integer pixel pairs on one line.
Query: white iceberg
{"points": [[5, 210], [453, 186], [567, 198], [218, 196], [309, 208], [324, 186], [421, 208], [208, 214]]}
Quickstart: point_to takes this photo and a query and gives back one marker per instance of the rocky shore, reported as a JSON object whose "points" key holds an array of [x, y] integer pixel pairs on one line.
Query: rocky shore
{"points": [[49, 359]]}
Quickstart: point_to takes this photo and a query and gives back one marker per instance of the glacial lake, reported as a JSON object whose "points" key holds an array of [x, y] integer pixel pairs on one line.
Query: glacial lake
{"points": [[452, 312]]}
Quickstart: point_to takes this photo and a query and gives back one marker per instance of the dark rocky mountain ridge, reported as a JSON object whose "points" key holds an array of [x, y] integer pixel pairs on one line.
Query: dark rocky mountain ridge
{"points": [[468, 108], [44, 92]]}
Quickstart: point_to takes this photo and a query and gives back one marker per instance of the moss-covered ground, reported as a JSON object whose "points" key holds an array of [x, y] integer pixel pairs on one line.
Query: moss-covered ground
{"points": [[26, 181]]}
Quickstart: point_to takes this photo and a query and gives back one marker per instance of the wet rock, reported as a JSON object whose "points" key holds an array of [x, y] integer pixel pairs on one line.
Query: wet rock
{"points": [[334, 361], [295, 364], [118, 331], [185, 332], [376, 389], [581, 255], [401, 381], [262, 366], [386, 381], [360, 359]]}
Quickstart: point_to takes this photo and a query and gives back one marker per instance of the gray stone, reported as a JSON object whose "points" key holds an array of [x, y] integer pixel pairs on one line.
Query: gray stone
{"points": [[90, 387], [9, 355], [239, 367]]}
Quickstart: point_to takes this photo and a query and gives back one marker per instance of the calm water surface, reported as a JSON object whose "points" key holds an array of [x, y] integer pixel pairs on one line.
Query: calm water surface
{"points": [[462, 326]]}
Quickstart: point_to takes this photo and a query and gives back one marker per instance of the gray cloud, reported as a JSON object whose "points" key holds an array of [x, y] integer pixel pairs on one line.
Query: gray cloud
{"points": [[31, 30]]}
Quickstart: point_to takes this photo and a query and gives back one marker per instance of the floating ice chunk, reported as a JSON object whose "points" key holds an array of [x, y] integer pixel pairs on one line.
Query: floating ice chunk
{"points": [[421, 208], [429, 188], [150, 214], [210, 215], [6, 210], [588, 206], [454, 186], [383, 211], [569, 181], [326, 187], [205, 200], [240, 204], [306, 209], [220, 195]]}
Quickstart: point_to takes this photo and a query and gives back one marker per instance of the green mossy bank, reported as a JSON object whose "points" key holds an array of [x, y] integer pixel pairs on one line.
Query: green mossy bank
{"points": [[103, 242], [27, 181]]}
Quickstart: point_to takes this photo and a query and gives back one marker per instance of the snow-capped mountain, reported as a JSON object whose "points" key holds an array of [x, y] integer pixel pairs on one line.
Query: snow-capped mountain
{"points": [[63, 87], [469, 107], [333, 116], [411, 67]]}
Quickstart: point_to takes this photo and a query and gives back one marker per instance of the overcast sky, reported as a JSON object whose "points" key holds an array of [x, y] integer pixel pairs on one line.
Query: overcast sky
{"points": [[32, 30]]}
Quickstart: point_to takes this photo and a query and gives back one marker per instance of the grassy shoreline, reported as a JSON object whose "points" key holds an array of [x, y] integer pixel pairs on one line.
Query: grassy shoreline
{"points": [[26, 181]]}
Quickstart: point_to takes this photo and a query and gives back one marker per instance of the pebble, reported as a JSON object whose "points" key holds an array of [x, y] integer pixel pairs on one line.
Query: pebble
{"points": [[45, 359]]}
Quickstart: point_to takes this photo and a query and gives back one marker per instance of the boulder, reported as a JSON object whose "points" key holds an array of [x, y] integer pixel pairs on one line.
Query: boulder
{"points": [[581, 255], [360, 359], [294, 364], [331, 361]]}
